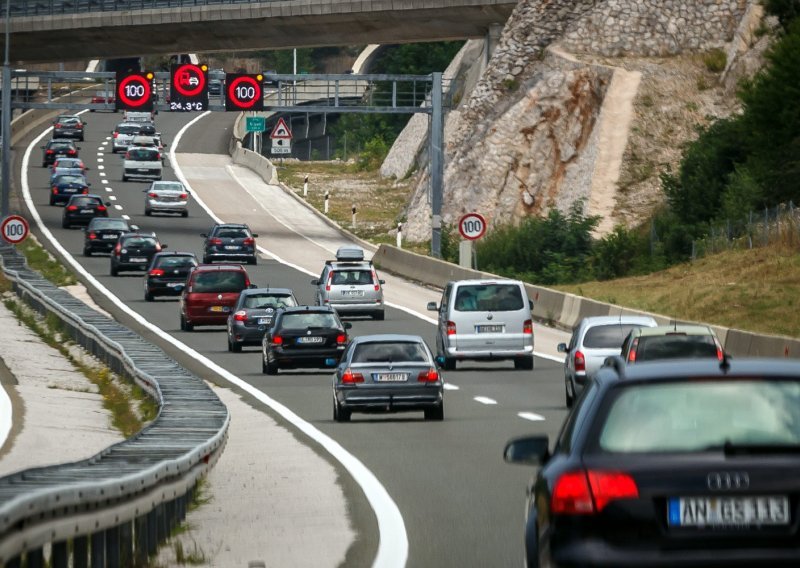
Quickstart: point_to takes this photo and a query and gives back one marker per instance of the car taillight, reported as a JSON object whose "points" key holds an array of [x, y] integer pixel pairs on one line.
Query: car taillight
{"points": [[115, 134], [248, 241], [527, 327], [632, 353], [241, 315], [587, 493], [79, 126], [429, 376], [92, 236], [50, 152], [153, 195], [215, 241], [184, 195], [71, 152], [55, 189], [580, 361], [720, 351], [277, 340], [341, 339], [351, 378], [156, 272], [451, 328], [328, 283], [101, 207], [375, 281], [118, 249], [85, 191], [72, 207]]}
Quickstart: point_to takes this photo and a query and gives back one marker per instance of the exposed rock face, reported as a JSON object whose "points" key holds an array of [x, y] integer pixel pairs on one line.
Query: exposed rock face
{"points": [[523, 141]]}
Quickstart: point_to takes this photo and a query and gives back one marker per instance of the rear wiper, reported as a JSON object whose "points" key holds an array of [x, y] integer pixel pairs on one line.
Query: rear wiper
{"points": [[731, 449]]}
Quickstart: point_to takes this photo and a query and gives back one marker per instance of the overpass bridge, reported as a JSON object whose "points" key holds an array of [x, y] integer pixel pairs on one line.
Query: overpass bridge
{"points": [[48, 30]]}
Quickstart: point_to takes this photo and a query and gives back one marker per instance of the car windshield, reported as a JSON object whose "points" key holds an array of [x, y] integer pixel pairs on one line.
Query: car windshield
{"points": [[219, 281], [168, 186], [608, 336], [697, 415], [128, 129], [176, 261], [384, 352], [106, 223], [489, 298], [351, 277], [232, 234], [257, 301], [139, 242], [306, 320], [71, 179], [143, 155], [675, 346]]}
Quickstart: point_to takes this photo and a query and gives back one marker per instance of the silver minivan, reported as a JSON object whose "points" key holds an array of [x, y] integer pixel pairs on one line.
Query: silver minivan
{"points": [[484, 320], [350, 285], [592, 341]]}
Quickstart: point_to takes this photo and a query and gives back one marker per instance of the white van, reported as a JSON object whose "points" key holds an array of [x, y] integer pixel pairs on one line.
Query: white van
{"points": [[485, 320], [142, 163]]}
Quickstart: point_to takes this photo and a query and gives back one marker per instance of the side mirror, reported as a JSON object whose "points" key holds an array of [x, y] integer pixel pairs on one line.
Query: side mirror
{"points": [[255, 236], [87, 168], [530, 304], [532, 450], [315, 282], [163, 246], [440, 360], [562, 348], [433, 307], [108, 204], [253, 286], [347, 325], [382, 281], [204, 235], [88, 184]]}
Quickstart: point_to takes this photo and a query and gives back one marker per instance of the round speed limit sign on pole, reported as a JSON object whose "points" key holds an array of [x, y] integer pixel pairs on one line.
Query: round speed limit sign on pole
{"points": [[472, 226], [15, 229]]}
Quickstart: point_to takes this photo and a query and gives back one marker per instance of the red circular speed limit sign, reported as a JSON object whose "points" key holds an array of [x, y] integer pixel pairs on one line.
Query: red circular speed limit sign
{"points": [[15, 229], [244, 92], [472, 226], [134, 91]]}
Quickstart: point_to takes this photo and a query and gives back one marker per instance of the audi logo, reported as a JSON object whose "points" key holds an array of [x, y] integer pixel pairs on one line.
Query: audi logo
{"points": [[728, 481]]}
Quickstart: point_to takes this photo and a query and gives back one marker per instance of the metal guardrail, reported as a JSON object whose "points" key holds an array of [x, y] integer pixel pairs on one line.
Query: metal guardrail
{"points": [[117, 506]]}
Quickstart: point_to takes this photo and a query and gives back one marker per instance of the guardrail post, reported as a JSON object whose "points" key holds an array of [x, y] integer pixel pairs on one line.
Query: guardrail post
{"points": [[152, 532], [13, 563], [141, 547], [98, 555], [112, 547], [171, 509], [126, 544], [161, 524], [80, 552], [60, 556], [34, 558]]}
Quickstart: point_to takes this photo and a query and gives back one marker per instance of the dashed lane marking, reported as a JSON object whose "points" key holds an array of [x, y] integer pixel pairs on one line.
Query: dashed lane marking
{"points": [[533, 417], [450, 387], [112, 197], [126, 217], [485, 400], [118, 207]]}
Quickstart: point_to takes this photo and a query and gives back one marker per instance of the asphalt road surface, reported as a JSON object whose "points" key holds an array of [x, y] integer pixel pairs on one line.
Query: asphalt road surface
{"points": [[461, 504]]}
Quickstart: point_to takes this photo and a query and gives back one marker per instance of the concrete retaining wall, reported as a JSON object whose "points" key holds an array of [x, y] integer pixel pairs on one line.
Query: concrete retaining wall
{"points": [[565, 310]]}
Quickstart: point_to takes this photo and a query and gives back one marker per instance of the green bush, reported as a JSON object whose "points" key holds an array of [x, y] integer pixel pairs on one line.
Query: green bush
{"points": [[617, 254], [715, 60]]}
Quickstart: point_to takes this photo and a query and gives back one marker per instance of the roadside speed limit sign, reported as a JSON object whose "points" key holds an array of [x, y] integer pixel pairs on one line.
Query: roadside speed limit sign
{"points": [[15, 229], [472, 226]]}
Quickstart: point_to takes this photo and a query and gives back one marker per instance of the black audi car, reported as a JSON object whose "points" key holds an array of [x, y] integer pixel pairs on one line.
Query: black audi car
{"points": [[101, 234], [304, 336], [253, 315], [664, 464], [167, 273], [82, 208], [58, 148], [230, 241], [134, 251]]}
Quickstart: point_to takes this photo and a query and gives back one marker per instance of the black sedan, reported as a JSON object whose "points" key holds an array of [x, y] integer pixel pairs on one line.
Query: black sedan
{"points": [[304, 336], [230, 241], [58, 148], [64, 186], [81, 209], [134, 251], [680, 463], [387, 373], [167, 273], [253, 314], [102, 233]]}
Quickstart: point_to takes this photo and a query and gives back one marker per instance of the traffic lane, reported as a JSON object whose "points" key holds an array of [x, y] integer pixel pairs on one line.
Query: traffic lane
{"points": [[211, 136]]}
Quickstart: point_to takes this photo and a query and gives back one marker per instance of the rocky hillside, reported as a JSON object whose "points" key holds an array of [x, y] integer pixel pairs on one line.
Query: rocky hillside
{"points": [[589, 99]]}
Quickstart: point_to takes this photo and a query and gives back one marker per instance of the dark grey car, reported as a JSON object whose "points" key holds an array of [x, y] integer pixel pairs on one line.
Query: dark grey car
{"points": [[387, 373], [230, 241], [254, 313]]}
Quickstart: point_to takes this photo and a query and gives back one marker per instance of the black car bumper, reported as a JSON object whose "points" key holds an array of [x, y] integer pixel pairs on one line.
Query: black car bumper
{"points": [[248, 335], [388, 398], [311, 358], [165, 287]]}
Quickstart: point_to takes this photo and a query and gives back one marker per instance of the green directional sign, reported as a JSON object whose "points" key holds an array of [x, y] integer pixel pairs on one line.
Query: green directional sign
{"points": [[255, 123]]}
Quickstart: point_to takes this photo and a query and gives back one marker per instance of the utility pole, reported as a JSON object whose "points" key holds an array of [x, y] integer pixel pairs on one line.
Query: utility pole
{"points": [[5, 171], [437, 164]]}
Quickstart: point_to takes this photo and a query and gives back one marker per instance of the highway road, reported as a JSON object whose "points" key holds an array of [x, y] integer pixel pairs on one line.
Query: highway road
{"points": [[461, 504]]}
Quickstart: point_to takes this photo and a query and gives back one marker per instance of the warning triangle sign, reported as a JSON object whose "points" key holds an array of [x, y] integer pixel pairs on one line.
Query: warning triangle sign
{"points": [[281, 130]]}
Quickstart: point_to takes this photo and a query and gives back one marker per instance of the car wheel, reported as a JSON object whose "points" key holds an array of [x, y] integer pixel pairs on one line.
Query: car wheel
{"points": [[87, 252], [184, 213], [148, 297], [524, 363], [206, 260], [185, 325], [65, 224], [44, 164], [236, 347], [531, 559], [124, 177], [449, 364], [253, 260], [339, 413], [147, 213], [114, 271], [569, 393], [379, 316], [436, 413], [269, 367], [52, 201]]}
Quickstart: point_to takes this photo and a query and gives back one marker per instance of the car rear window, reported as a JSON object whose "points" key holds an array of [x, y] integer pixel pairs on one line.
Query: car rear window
{"points": [[675, 347], [176, 261], [307, 320], [697, 415], [169, 186], [221, 281], [128, 129], [84, 201], [232, 234], [143, 155], [608, 336], [71, 179], [341, 277], [489, 297], [106, 223], [60, 145], [140, 242], [384, 352], [258, 301]]}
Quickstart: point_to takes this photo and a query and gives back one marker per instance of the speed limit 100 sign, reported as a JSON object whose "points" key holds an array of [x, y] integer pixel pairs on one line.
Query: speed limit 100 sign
{"points": [[472, 226], [15, 229]]}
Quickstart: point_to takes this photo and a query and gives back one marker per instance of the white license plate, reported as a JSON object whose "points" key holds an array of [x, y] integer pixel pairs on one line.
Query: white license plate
{"points": [[264, 321], [489, 328], [137, 259], [728, 511], [143, 170], [70, 190], [86, 211], [174, 284], [310, 339], [391, 377], [230, 247], [110, 236], [352, 292], [219, 308]]}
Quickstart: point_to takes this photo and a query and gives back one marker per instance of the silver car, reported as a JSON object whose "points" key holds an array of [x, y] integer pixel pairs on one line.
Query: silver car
{"points": [[122, 136], [350, 285], [593, 340], [167, 197]]}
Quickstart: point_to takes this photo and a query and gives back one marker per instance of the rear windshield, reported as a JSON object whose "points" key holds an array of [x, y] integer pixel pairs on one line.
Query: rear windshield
{"points": [[68, 163], [305, 321], [59, 145], [68, 119], [696, 415], [675, 347], [232, 234], [84, 201], [168, 186], [351, 277], [176, 261], [384, 352], [143, 155], [222, 281], [259, 301], [106, 223], [608, 336], [128, 129], [71, 179], [140, 242], [489, 298]]}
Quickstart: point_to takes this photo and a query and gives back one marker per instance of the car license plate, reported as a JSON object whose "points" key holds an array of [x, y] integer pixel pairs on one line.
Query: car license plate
{"points": [[391, 377], [728, 511], [86, 211], [110, 236], [219, 308], [311, 339], [143, 170], [70, 190], [231, 247], [174, 284], [264, 321], [137, 259], [352, 292], [489, 328]]}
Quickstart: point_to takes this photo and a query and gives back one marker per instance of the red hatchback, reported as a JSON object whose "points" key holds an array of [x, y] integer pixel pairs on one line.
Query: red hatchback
{"points": [[210, 294]]}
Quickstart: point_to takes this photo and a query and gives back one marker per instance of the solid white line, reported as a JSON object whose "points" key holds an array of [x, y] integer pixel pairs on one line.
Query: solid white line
{"points": [[484, 400], [450, 387], [6, 417], [393, 541], [531, 416]]}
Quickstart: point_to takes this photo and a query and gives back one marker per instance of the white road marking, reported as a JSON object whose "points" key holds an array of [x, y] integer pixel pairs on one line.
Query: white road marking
{"points": [[101, 167], [104, 180], [485, 400], [450, 387], [100, 149], [102, 174], [5, 416], [531, 416], [118, 207], [100, 160], [393, 539], [109, 190], [112, 197], [108, 138], [101, 154], [126, 217]]}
